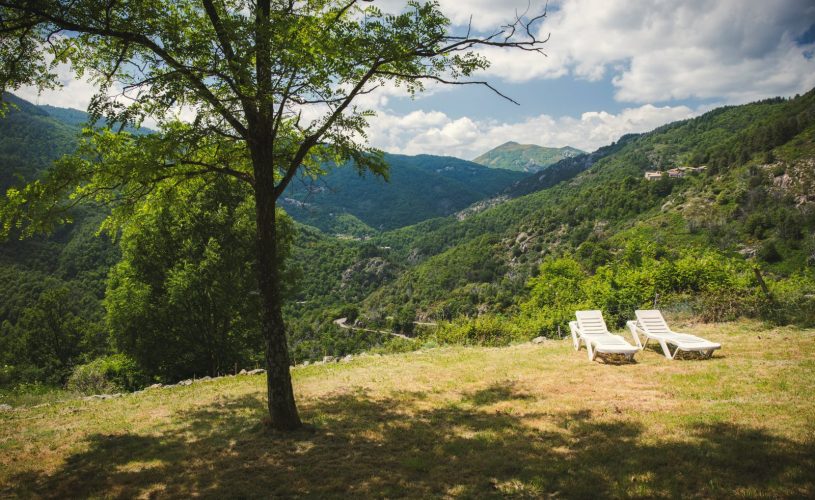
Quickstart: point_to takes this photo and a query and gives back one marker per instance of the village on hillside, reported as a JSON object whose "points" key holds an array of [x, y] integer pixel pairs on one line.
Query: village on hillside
{"points": [[674, 173]]}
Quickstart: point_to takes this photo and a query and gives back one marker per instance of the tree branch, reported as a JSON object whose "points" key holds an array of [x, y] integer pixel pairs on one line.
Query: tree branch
{"points": [[449, 82], [143, 41], [312, 139]]}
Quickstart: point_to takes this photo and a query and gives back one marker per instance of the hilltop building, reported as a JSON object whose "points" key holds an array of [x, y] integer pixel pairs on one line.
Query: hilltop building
{"points": [[674, 173]]}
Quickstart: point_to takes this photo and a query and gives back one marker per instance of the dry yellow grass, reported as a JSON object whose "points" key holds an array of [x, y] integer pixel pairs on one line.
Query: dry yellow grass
{"points": [[527, 420]]}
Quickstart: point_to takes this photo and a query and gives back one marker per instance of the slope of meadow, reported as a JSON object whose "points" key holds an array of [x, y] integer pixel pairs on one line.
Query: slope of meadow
{"points": [[524, 420]]}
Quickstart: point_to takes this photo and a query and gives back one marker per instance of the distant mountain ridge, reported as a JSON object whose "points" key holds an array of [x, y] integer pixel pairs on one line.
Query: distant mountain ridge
{"points": [[525, 157], [753, 201], [420, 187], [341, 202]]}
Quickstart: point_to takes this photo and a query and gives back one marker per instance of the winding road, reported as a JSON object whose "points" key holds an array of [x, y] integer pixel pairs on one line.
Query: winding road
{"points": [[341, 322]]}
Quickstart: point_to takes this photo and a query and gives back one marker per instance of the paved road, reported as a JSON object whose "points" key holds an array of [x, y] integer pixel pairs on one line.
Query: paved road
{"points": [[341, 322]]}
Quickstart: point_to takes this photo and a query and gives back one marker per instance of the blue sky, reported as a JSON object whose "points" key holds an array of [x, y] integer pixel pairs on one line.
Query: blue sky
{"points": [[612, 68]]}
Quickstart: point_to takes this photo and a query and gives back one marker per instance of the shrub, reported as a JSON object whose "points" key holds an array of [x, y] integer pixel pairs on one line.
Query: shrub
{"points": [[105, 375], [484, 330], [769, 252], [395, 345], [715, 286], [725, 304], [793, 301]]}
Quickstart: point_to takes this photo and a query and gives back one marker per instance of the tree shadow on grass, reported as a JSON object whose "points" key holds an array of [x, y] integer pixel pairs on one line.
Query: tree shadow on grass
{"points": [[495, 393], [402, 446]]}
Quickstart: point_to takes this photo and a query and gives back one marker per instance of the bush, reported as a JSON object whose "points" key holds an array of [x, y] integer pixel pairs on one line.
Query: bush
{"points": [[793, 301], [715, 286], [487, 330], [33, 393], [105, 375], [396, 345], [726, 304], [769, 252]]}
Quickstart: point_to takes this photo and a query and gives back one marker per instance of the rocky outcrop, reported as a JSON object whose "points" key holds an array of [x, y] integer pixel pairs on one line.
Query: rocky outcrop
{"points": [[369, 271]]}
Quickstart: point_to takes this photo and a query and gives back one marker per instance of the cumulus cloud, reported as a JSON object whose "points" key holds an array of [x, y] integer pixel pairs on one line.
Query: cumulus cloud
{"points": [[483, 15], [652, 52], [436, 133], [74, 92], [660, 50]]}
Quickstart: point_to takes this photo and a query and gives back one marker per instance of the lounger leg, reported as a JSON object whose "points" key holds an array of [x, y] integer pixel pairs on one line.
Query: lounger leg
{"points": [[632, 326], [665, 350]]}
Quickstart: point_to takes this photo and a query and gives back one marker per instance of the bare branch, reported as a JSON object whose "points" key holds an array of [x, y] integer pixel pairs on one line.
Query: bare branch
{"points": [[448, 82]]}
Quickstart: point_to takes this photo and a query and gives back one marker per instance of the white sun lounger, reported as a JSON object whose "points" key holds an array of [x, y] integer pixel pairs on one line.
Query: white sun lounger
{"points": [[652, 325], [591, 330]]}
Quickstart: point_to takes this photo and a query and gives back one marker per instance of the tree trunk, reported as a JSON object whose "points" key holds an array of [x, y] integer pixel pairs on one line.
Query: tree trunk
{"points": [[282, 408]]}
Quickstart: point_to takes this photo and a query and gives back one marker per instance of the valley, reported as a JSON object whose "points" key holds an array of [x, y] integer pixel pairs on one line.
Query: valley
{"points": [[450, 242]]}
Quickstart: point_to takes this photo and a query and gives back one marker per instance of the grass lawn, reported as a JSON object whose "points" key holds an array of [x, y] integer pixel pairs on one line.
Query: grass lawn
{"points": [[527, 420]]}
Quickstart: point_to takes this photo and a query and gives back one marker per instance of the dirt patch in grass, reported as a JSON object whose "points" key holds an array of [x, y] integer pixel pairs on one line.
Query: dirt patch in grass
{"points": [[526, 420]]}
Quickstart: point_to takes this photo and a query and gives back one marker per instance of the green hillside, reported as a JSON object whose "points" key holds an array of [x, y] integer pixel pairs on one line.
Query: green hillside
{"points": [[420, 187], [30, 139], [497, 271], [49, 287], [524, 157], [753, 205], [341, 202]]}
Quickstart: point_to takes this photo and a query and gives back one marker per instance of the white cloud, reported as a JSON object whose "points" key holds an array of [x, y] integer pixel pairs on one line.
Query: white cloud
{"points": [[74, 93], [659, 50], [653, 51], [485, 15], [435, 133], [77, 93]]}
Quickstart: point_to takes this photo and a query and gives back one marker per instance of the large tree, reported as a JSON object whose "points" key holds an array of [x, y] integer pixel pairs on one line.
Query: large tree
{"points": [[273, 86]]}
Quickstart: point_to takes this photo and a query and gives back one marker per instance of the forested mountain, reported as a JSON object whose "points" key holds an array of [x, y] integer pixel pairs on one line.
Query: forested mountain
{"points": [[565, 169], [30, 139], [420, 187], [753, 202], [525, 157], [70, 268], [50, 288]]}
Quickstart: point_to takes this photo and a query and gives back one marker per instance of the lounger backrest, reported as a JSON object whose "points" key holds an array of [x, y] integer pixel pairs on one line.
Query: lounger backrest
{"points": [[652, 321], [591, 322]]}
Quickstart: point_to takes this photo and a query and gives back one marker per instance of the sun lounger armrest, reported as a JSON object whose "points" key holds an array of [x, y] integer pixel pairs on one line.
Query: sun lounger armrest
{"points": [[632, 327]]}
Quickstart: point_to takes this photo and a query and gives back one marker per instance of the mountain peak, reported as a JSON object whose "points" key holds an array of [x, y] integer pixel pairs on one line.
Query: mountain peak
{"points": [[524, 157]]}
